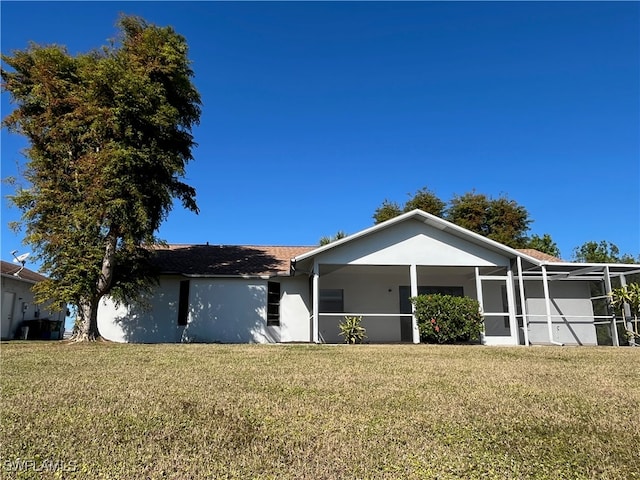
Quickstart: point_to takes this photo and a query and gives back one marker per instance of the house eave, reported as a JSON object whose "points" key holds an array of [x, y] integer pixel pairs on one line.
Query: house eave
{"points": [[229, 276], [16, 277]]}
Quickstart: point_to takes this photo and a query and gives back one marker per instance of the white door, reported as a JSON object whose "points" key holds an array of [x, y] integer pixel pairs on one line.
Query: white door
{"points": [[7, 314]]}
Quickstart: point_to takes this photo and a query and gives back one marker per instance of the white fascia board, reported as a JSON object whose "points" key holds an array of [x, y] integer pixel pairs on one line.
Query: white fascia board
{"points": [[15, 277], [431, 220], [244, 277]]}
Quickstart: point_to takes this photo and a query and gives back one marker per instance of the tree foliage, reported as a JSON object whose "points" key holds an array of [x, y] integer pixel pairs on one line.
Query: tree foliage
{"points": [[109, 137], [326, 240], [544, 244], [427, 201], [500, 219], [601, 252], [424, 199], [386, 211]]}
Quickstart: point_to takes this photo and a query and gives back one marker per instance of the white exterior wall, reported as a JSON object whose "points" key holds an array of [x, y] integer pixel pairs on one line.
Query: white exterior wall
{"points": [[229, 311], [295, 309], [412, 242], [225, 310], [18, 305], [159, 324], [571, 310]]}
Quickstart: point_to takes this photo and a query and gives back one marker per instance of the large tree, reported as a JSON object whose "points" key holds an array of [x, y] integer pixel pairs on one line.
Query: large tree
{"points": [[500, 219], [109, 136], [427, 201], [424, 199]]}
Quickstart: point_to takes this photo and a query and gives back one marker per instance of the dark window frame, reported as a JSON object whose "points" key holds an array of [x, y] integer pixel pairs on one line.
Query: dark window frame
{"points": [[183, 303], [273, 304]]}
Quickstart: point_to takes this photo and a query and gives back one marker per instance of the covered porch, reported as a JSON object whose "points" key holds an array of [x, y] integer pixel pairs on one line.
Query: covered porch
{"points": [[380, 295], [525, 299], [522, 304]]}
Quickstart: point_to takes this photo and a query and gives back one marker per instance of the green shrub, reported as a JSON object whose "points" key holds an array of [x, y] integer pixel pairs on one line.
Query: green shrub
{"points": [[351, 330], [447, 319]]}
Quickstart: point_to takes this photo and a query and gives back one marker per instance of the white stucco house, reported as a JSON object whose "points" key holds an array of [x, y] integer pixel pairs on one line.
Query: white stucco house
{"points": [[217, 293], [18, 305]]}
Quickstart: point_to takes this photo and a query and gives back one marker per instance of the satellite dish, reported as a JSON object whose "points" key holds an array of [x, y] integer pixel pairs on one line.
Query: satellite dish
{"points": [[20, 258]]}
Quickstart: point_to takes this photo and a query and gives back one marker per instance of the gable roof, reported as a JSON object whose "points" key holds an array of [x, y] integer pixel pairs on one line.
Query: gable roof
{"points": [[225, 260], [435, 222], [10, 269]]}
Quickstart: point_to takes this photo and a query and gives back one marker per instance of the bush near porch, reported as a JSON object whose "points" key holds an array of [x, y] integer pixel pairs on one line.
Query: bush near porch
{"points": [[447, 318]]}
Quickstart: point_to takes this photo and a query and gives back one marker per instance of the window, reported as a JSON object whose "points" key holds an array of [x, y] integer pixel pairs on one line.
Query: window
{"points": [[273, 304], [331, 300], [183, 303]]}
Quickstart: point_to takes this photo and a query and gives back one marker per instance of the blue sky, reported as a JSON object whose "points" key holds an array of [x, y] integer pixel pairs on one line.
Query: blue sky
{"points": [[314, 113]]}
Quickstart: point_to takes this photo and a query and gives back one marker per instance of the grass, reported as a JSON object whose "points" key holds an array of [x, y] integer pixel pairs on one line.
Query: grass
{"points": [[319, 412]]}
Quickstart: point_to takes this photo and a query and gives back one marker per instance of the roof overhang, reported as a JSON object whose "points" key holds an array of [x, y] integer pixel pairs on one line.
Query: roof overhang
{"points": [[19, 278]]}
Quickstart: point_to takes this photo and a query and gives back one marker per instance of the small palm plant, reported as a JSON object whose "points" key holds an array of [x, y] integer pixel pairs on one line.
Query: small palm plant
{"points": [[351, 330], [629, 295]]}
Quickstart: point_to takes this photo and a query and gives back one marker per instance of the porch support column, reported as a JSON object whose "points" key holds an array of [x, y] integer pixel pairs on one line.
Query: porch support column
{"points": [[547, 304], [614, 328], [315, 337], [413, 273], [511, 303], [523, 302], [479, 297]]}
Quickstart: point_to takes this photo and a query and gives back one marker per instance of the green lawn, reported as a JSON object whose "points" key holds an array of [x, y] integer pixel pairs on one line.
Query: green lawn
{"points": [[318, 412]]}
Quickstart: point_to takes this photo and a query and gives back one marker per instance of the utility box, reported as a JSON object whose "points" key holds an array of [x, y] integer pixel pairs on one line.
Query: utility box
{"points": [[41, 329]]}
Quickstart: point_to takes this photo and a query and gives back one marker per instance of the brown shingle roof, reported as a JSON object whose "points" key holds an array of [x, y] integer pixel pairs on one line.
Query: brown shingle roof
{"points": [[10, 268], [226, 259], [545, 257], [258, 260]]}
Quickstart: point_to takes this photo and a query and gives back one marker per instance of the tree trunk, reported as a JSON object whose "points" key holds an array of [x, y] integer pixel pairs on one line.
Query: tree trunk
{"points": [[88, 325], [108, 263], [88, 308]]}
